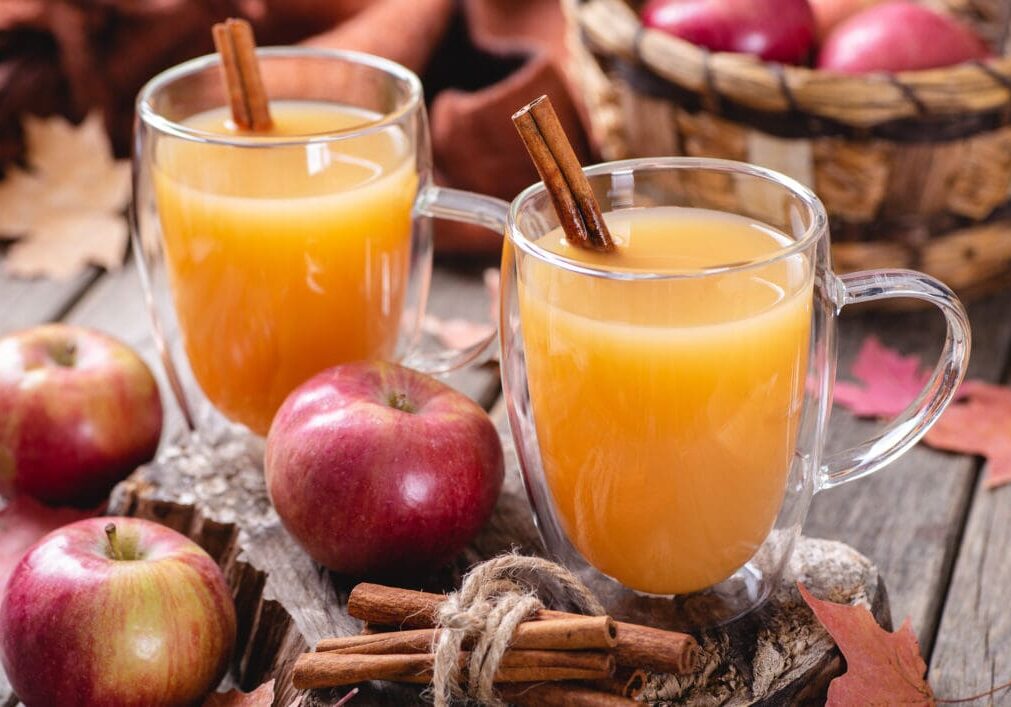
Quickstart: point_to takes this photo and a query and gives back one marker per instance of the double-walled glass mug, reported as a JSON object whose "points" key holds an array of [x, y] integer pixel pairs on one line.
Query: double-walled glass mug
{"points": [[670, 418], [269, 257]]}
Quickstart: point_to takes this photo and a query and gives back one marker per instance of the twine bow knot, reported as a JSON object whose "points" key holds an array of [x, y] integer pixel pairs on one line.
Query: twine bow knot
{"points": [[495, 597]]}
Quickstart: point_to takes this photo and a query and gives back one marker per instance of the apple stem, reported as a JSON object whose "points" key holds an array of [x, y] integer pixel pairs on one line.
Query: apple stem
{"points": [[110, 533], [64, 353], [400, 402]]}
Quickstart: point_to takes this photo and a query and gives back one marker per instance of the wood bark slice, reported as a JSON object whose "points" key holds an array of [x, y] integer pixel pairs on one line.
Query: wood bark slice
{"points": [[215, 494]]}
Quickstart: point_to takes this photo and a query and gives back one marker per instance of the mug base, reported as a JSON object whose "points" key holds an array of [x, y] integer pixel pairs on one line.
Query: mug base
{"points": [[744, 591]]}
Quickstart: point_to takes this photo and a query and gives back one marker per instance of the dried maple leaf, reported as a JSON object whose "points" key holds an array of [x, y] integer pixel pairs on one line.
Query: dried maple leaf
{"points": [[978, 422], [890, 381], [22, 522], [65, 210], [458, 333], [882, 668], [263, 696]]}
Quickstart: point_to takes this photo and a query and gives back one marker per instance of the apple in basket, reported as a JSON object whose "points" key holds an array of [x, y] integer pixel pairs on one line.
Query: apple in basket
{"points": [[829, 13], [899, 36], [79, 411], [380, 470], [775, 30], [115, 611]]}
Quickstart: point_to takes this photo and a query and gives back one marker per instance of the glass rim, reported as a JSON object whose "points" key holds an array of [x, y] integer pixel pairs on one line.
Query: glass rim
{"points": [[817, 227], [149, 116]]}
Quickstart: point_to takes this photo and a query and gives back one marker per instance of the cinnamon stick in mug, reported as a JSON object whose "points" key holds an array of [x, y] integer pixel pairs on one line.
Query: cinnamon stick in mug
{"points": [[570, 192], [637, 646], [247, 97]]}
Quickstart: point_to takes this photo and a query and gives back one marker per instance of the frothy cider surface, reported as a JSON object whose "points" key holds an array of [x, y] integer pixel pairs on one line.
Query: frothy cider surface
{"points": [[667, 411], [284, 261]]}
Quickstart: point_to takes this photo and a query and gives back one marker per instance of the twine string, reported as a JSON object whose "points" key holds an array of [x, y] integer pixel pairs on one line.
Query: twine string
{"points": [[494, 599]]}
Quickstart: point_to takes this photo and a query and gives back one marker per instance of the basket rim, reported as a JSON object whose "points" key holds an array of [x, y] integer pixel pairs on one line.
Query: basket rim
{"points": [[612, 29]]}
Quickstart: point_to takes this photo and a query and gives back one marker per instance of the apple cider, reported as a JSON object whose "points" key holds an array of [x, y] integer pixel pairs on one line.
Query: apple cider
{"points": [[287, 260], [667, 410]]}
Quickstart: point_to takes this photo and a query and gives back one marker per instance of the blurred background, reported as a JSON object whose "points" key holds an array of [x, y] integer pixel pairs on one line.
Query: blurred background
{"points": [[478, 60]]}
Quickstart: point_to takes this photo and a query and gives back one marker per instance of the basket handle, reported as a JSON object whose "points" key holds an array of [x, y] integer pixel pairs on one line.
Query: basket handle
{"points": [[915, 420]]}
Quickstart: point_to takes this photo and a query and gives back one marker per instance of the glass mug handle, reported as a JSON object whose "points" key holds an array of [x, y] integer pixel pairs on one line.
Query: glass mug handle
{"points": [[465, 207], [907, 429]]}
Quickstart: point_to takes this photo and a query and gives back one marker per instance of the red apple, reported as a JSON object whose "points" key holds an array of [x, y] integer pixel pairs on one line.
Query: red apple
{"points": [[79, 411], [829, 13], [899, 36], [115, 612], [380, 470], [775, 30]]}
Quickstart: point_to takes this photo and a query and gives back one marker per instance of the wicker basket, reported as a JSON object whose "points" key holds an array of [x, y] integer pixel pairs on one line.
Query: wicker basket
{"points": [[914, 168]]}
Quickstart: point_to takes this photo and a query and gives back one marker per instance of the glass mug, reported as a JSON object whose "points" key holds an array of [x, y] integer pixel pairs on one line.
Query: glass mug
{"points": [[267, 258], [670, 424]]}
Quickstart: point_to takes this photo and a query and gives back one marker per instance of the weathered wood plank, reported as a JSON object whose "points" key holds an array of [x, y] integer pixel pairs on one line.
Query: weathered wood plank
{"points": [[973, 649], [909, 517], [24, 303]]}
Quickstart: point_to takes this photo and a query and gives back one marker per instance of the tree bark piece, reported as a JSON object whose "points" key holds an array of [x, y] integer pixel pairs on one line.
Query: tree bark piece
{"points": [[549, 694], [780, 654], [286, 603]]}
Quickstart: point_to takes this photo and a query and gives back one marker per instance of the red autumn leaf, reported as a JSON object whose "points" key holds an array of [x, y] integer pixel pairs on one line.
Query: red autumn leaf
{"points": [[890, 381], [979, 422], [263, 696], [882, 668], [22, 522]]}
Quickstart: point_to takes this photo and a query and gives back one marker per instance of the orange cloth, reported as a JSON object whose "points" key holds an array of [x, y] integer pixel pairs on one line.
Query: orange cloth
{"points": [[479, 60]]}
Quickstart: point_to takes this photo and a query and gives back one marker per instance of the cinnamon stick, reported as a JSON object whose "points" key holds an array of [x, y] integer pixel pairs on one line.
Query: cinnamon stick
{"points": [[247, 97], [319, 670], [560, 694], [625, 682], [554, 634], [637, 646], [559, 168]]}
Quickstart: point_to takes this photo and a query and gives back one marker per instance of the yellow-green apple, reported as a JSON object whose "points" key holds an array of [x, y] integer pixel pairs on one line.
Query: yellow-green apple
{"points": [[775, 30], [79, 411], [379, 470], [115, 612], [899, 36]]}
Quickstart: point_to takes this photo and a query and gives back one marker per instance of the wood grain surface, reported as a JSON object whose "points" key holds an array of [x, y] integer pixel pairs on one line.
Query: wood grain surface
{"points": [[909, 516], [24, 303], [972, 653], [938, 540]]}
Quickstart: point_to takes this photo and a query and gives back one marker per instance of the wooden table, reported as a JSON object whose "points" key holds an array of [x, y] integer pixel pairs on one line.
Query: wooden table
{"points": [[939, 538]]}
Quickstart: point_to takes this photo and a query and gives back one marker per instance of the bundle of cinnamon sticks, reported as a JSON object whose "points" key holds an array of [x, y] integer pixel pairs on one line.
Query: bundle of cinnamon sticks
{"points": [[595, 656]]}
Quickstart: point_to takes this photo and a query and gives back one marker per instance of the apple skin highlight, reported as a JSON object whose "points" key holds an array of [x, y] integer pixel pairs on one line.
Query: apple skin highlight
{"points": [[381, 471], [79, 411], [78, 627]]}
